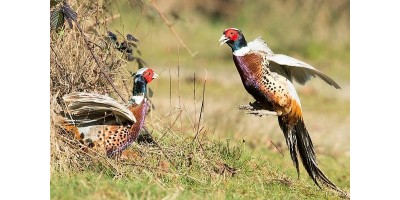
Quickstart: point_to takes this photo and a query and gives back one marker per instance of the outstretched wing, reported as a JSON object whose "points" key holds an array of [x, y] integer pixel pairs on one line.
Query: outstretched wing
{"points": [[289, 67], [88, 108], [295, 69]]}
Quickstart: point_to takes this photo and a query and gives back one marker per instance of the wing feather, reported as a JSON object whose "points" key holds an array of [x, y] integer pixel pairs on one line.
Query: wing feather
{"points": [[260, 45], [300, 71], [86, 108], [289, 67]]}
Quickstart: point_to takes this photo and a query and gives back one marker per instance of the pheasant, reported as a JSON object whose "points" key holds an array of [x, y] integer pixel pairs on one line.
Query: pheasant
{"points": [[269, 77], [101, 123]]}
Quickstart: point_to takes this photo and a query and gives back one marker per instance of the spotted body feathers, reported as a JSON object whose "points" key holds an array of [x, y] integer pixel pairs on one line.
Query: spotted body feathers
{"points": [[268, 78], [101, 123]]}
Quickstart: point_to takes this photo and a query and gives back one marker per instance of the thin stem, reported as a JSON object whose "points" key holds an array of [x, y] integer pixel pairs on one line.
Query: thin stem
{"points": [[202, 109], [169, 24], [277, 148], [97, 60]]}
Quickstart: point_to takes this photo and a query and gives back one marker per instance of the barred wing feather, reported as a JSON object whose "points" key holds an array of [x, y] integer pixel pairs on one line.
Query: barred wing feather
{"points": [[87, 108], [295, 69], [289, 67]]}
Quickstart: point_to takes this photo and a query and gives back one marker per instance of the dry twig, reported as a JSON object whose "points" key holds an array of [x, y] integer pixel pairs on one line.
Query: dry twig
{"points": [[169, 24], [201, 109]]}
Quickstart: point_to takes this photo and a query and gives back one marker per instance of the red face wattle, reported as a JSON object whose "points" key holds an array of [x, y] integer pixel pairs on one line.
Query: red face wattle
{"points": [[232, 34], [148, 75]]}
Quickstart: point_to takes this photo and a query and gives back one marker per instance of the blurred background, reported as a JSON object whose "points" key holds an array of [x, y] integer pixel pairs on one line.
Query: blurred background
{"points": [[197, 96], [314, 31]]}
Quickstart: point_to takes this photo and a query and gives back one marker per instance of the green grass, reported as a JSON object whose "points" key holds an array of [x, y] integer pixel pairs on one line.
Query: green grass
{"points": [[260, 174]]}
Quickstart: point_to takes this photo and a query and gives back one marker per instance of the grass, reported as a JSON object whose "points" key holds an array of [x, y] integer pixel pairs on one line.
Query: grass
{"points": [[233, 157], [258, 175]]}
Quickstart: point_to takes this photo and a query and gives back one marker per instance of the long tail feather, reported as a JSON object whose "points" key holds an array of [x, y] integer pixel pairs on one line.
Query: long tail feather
{"points": [[291, 141], [298, 136]]}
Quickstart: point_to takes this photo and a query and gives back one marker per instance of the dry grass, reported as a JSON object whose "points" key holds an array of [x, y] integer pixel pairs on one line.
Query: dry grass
{"points": [[74, 68]]}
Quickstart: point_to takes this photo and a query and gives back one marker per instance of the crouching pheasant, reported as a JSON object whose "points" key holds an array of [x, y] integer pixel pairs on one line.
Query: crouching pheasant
{"points": [[101, 123], [268, 78]]}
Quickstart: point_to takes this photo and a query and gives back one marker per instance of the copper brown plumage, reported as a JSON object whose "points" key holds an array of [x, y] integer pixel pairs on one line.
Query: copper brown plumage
{"points": [[101, 123], [268, 78]]}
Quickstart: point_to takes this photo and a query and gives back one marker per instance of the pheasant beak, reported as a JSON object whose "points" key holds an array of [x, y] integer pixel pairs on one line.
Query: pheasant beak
{"points": [[155, 76], [223, 40]]}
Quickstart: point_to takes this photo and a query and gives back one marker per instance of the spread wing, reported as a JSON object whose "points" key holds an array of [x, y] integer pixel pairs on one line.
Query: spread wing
{"points": [[295, 69], [289, 67], [88, 108]]}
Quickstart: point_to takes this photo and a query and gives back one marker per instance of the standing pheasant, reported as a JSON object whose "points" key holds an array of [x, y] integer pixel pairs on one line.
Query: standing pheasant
{"points": [[268, 78], [103, 124]]}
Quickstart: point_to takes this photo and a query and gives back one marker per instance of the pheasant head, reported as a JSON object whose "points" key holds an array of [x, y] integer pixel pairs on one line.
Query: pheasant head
{"points": [[141, 78], [234, 38]]}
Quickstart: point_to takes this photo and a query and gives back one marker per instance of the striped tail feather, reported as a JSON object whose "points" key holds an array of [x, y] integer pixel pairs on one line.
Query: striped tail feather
{"points": [[291, 142], [299, 138], [89, 108]]}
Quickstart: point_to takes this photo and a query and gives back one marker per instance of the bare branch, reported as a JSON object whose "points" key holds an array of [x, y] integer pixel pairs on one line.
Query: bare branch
{"points": [[91, 24], [169, 24], [87, 42], [277, 148]]}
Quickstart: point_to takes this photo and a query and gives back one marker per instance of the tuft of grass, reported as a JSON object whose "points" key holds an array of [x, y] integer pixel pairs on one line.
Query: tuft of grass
{"points": [[225, 170]]}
